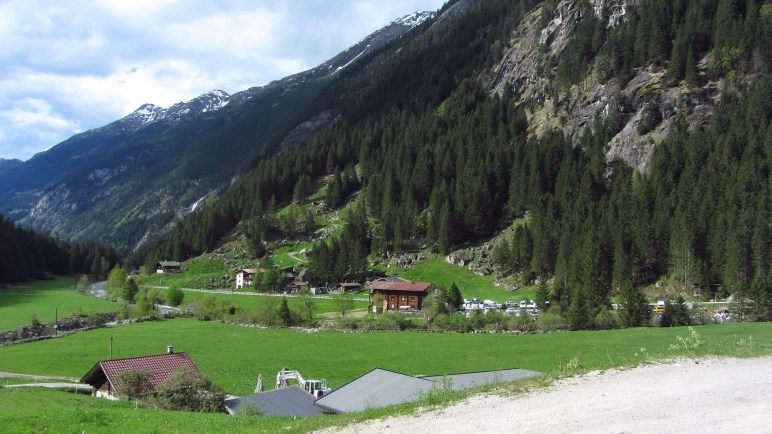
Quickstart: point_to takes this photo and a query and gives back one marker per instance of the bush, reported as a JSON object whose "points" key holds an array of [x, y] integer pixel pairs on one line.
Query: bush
{"points": [[441, 322], [174, 296], [550, 322], [188, 392], [134, 384], [459, 323], [606, 319]]}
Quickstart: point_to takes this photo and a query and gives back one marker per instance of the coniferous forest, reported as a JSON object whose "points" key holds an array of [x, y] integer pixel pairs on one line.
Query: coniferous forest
{"points": [[26, 254], [426, 152]]}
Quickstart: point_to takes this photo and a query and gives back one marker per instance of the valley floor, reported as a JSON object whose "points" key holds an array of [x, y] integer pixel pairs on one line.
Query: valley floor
{"points": [[684, 395]]}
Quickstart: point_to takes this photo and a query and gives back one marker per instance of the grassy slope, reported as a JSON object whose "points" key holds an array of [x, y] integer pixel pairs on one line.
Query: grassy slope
{"points": [[233, 356], [42, 299], [439, 272], [321, 305]]}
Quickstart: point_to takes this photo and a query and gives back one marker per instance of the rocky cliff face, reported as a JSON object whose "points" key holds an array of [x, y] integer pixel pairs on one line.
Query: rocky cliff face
{"points": [[527, 71]]}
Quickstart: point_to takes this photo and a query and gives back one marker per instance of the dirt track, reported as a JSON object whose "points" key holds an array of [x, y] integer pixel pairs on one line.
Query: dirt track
{"points": [[684, 396]]}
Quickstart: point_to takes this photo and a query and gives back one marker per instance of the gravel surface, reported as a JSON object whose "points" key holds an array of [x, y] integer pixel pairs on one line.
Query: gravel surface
{"points": [[712, 395]]}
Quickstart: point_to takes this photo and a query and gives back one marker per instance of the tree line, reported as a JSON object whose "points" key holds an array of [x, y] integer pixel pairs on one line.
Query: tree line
{"points": [[26, 254]]}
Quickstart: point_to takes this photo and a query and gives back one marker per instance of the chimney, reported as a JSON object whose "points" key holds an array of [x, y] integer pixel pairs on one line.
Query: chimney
{"points": [[169, 349]]}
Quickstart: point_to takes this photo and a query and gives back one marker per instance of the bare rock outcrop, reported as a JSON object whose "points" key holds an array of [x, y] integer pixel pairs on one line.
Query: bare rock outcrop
{"points": [[646, 105]]}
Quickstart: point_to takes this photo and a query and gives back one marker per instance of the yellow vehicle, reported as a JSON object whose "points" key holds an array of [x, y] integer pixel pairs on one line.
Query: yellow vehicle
{"points": [[659, 309]]}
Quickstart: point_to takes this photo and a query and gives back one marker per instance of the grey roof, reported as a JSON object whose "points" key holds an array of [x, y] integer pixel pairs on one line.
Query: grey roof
{"points": [[375, 389], [473, 379], [287, 401]]}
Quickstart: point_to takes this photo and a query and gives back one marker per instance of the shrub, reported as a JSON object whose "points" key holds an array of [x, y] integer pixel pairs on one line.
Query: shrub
{"points": [[441, 322], [606, 319], [134, 384], [459, 323], [188, 392], [550, 322], [174, 296]]}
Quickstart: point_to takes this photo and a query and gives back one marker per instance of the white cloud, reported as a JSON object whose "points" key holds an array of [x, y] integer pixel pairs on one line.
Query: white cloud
{"points": [[34, 112], [29, 121], [71, 65]]}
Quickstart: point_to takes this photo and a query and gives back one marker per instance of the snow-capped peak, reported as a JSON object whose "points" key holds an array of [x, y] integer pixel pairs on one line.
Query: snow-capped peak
{"points": [[207, 102], [414, 19], [147, 113]]}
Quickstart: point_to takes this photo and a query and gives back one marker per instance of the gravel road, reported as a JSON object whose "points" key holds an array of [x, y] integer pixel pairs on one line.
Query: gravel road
{"points": [[711, 395]]}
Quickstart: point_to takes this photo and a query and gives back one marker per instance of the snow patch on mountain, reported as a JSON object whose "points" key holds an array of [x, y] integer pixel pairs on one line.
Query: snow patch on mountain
{"points": [[415, 19]]}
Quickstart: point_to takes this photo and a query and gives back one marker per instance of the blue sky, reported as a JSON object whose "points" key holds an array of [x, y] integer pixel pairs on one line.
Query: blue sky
{"points": [[69, 66]]}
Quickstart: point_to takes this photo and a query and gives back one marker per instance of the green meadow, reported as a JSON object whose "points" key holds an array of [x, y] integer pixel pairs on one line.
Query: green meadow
{"points": [[44, 300], [439, 272], [322, 306], [233, 356]]}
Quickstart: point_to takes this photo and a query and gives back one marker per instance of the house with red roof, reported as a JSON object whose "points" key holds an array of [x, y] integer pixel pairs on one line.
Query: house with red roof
{"points": [[400, 295], [103, 377]]}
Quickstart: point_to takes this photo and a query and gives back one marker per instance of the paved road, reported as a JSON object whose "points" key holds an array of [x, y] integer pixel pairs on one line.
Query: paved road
{"points": [[53, 385], [259, 294], [36, 377]]}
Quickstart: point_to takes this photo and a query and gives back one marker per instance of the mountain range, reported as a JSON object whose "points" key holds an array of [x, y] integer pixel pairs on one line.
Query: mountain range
{"points": [[591, 148], [128, 182]]}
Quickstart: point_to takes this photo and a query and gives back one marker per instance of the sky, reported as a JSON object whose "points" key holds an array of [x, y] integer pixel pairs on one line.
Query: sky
{"points": [[68, 66]]}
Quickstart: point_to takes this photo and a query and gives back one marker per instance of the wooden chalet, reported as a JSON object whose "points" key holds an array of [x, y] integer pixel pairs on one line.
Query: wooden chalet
{"points": [[167, 267], [404, 296], [298, 286], [103, 377], [348, 287]]}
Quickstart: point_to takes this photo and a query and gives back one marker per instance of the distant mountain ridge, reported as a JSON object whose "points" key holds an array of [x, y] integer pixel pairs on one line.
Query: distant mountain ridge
{"points": [[6, 165], [127, 182]]}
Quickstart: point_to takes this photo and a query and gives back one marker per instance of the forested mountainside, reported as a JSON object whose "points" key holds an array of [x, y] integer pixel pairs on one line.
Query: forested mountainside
{"points": [[25, 254], [128, 182], [439, 140]]}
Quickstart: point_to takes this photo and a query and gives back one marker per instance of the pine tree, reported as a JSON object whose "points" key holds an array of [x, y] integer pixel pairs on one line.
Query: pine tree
{"points": [[635, 311], [285, 314], [130, 290]]}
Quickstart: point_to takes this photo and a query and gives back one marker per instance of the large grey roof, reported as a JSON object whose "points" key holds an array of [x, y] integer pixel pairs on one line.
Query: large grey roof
{"points": [[474, 379], [375, 389], [287, 401]]}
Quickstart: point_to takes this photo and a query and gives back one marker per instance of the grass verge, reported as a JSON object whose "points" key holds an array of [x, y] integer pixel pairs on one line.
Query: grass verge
{"points": [[45, 299]]}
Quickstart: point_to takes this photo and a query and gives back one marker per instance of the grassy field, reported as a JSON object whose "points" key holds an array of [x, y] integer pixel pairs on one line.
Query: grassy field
{"points": [[43, 299], [322, 306], [198, 274], [233, 356], [439, 272]]}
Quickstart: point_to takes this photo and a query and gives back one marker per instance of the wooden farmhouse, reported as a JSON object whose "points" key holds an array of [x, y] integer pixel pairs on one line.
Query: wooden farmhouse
{"points": [[104, 376], [168, 267], [348, 287], [404, 296], [298, 286], [245, 277]]}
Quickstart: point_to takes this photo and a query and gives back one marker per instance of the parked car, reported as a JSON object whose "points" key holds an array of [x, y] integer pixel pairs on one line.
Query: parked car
{"points": [[510, 311], [523, 304]]}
